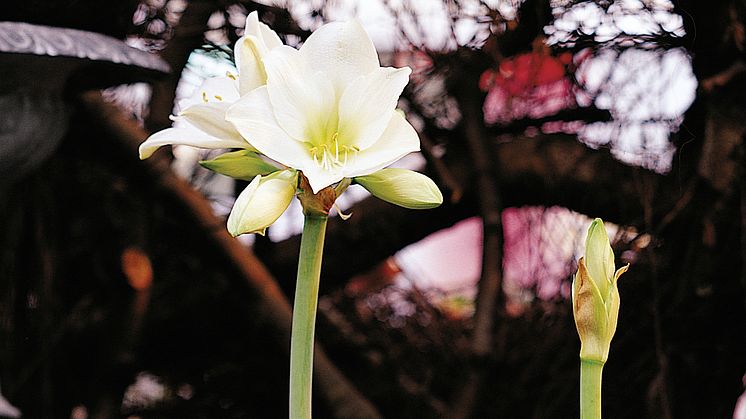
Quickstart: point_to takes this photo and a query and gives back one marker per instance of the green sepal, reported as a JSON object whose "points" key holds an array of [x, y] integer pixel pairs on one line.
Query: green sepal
{"points": [[242, 164], [402, 187]]}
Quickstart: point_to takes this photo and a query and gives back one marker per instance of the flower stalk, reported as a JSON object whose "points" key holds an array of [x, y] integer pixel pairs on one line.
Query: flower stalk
{"points": [[590, 388], [304, 315]]}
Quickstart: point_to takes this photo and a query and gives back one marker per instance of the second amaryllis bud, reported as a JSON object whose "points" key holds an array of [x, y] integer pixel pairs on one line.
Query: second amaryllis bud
{"points": [[595, 296]]}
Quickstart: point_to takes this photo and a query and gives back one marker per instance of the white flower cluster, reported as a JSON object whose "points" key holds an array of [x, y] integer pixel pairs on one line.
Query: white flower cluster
{"points": [[326, 111]]}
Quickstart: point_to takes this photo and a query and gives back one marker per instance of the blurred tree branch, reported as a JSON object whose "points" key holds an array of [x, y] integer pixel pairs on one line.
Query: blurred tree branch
{"points": [[489, 289]]}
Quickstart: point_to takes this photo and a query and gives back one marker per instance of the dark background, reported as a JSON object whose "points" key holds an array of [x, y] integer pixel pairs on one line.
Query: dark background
{"points": [[212, 326]]}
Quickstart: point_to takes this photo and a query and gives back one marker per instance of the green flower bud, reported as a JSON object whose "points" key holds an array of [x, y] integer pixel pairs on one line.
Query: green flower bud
{"points": [[262, 202], [242, 164], [595, 296], [402, 187]]}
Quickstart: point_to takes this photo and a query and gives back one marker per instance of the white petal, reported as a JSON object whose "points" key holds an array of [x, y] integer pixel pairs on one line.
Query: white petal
{"points": [[366, 105], [210, 118], [320, 178], [252, 116], [241, 205], [344, 50], [258, 29], [302, 100], [262, 203], [398, 140], [187, 135], [213, 90], [250, 51], [251, 74]]}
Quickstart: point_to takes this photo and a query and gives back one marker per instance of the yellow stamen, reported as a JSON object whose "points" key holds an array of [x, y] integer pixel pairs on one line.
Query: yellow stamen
{"points": [[336, 146], [331, 154], [313, 151]]}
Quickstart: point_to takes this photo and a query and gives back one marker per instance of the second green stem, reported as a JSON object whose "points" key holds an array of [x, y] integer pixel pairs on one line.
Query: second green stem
{"points": [[304, 316], [590, 389]]}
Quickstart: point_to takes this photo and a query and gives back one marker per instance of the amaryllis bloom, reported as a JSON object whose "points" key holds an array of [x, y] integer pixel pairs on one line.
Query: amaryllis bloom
{"points": [[328, 109], [201, 123]]}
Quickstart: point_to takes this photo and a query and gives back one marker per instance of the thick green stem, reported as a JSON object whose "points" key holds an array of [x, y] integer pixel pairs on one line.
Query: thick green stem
{"points": [[304, 316], [590, 388]]}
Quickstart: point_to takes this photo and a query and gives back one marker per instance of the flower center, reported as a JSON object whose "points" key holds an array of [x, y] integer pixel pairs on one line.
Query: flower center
{"points": [[331, 155]]}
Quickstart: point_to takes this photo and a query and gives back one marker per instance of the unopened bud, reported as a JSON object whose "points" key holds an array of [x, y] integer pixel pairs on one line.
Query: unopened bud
{"points": [[402, 187]]}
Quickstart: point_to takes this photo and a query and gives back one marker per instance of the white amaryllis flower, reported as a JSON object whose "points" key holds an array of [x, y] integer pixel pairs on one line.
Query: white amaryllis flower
{"points": [[328, 109], [201, 123]]}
